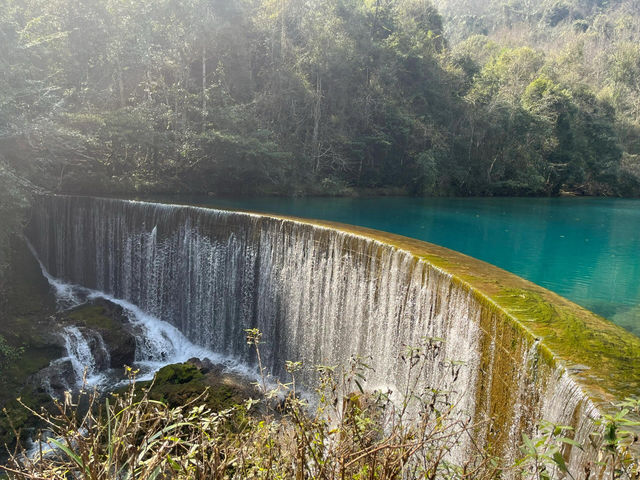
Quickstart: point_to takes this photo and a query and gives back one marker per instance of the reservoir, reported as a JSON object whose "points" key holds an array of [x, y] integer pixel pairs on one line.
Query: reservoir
{"points": [[585, 249]]}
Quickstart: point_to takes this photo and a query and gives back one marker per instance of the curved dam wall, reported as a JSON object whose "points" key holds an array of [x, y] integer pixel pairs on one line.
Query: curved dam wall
{"points": [[322, 292]]}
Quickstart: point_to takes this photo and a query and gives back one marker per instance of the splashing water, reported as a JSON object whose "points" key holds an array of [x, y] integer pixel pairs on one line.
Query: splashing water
{"points": [[85, 348], [158, 343]]}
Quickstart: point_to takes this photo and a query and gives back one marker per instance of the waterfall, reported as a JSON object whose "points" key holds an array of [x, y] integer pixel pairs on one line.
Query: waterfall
{"points": [[158, 343], [87, 352], [319, 295]]}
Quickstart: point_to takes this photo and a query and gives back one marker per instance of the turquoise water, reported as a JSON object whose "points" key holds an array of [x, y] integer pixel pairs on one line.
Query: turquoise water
{"points": [[585, 249]]}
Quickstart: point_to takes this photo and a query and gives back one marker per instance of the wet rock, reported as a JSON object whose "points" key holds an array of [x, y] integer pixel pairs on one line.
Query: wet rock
{"points": [[205, 365], [55, 379], [98, 347], [110, 321], [121, 347], [112, 310]]}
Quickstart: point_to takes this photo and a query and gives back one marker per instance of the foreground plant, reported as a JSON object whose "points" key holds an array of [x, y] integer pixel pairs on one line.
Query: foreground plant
{"points": [[347, 433], [618, 451]]}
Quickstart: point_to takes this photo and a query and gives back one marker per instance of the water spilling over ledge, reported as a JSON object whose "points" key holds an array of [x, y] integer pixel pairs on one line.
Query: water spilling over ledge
{"points": [[321, 292]]}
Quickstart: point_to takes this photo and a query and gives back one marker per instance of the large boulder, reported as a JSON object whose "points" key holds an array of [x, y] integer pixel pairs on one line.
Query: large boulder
{"points": [[111, 322], [199, 381]]}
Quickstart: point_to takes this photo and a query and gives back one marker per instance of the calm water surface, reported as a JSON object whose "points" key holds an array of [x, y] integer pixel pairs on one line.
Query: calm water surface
{"points": [[585, 249]]}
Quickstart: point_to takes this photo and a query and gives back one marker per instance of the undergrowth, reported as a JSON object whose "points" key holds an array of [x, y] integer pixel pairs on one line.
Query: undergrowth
{"points": [[345, 432]]}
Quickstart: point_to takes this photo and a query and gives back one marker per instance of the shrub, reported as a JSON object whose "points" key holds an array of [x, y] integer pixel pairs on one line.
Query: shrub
{"points": [[348, 433]]}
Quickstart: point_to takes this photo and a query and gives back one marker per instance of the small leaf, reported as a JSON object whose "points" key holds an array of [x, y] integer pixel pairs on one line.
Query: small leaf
{"points": [[559, 461], [359, 386], [173, 464], [529, 444], [76, 458], [570, 441]]}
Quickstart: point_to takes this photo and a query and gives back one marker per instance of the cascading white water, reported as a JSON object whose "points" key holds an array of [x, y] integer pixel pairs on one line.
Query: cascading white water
{"points": [[318, 294], [158, 343], [88, 354]]}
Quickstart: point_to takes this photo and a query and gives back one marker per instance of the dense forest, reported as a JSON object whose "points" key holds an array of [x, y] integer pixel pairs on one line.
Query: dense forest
{"points": [[296, 97], [322, 96]]}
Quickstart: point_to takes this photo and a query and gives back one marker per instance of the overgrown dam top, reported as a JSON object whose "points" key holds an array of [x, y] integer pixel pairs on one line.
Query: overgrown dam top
{"points": [[601, 357]]}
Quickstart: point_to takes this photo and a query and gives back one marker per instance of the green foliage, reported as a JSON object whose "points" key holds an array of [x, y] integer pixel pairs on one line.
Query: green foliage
{"points": [[8, 354], [295, 97], [544, 455], [618, 442], [586, 118], [613, 447]]}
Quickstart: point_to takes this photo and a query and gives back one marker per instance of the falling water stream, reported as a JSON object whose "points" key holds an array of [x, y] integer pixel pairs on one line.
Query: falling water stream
{"points": [[158, 343], [195, 278]]}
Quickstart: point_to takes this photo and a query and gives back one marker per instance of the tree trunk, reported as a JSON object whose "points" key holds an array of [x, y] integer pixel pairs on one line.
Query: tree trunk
{"points": [[204, 84], [316, 121]]}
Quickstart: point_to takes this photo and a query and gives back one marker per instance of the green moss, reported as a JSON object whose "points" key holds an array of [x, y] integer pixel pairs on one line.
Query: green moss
{"points": [[93, 316], [178, 374], [8, 354], [182, 383], [216, 397], [610, 352], [16, 417]]}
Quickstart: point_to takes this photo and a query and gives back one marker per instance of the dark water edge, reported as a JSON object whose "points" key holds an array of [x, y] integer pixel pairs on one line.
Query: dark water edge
{"points": [[584, 248]]}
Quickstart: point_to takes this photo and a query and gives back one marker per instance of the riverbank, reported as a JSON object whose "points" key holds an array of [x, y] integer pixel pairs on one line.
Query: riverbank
{"points": [[25, 325]]}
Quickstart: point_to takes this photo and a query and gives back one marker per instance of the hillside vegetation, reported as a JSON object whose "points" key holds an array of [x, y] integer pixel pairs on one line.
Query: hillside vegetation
{"points": [[589, 49], [297, 97], [322, 96]]}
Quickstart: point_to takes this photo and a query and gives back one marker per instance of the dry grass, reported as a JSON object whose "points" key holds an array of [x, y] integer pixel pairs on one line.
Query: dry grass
{"points": [[348, 434]]}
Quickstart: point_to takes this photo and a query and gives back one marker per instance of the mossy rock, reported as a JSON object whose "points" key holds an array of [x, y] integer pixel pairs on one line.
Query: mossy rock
{"points": [[183, 383], [217, 397], [16, 417], [91, 316], [109, 320], [178, 374], [99, 314]]}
